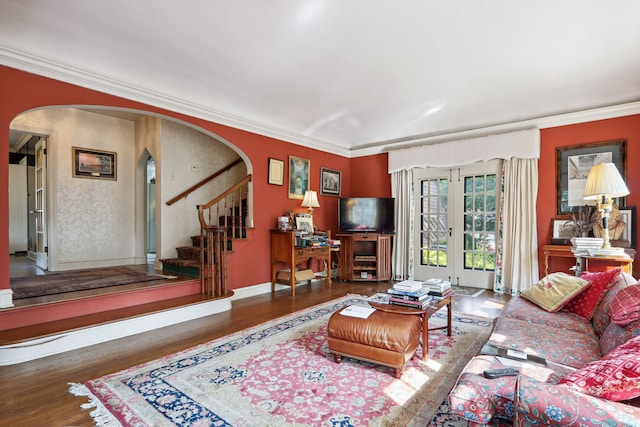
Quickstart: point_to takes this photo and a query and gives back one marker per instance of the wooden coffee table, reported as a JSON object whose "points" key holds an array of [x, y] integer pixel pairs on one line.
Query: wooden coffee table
{"points": [[425, 314]]}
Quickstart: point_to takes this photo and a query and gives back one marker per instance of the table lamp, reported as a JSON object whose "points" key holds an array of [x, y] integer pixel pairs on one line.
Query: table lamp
{"points": [[310, 201], [603, 185]]}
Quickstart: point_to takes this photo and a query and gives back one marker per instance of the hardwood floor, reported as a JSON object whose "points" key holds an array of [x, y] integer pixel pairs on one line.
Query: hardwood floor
{"points": [[36, 393]]}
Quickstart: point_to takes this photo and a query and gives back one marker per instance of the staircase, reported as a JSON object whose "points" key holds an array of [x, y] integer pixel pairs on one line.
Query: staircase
{"points": [[225, 215]]}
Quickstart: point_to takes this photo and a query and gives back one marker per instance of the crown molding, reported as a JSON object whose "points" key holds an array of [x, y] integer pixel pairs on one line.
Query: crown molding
{"points": [[601, 113], [86, 79]]}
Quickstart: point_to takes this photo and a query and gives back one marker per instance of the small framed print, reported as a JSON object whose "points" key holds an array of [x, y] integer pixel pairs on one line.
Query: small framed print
{"points": [[304, 224], [628, 216], [96, 164], [331, 182], [276, 171]]}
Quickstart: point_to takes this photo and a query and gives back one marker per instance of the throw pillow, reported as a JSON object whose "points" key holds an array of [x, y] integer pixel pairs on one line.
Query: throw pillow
{"points": [[586, 303], [615, 377], [554, 290], [624, 308]]}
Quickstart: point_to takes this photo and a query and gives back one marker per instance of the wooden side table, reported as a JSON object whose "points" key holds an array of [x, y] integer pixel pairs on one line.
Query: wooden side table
{"points": [[550, 251]]}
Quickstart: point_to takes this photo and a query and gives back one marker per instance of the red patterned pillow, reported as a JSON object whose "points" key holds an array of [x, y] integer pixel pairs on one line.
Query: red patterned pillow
{"points": [[615, 377], [586, 303], [624, 308]]}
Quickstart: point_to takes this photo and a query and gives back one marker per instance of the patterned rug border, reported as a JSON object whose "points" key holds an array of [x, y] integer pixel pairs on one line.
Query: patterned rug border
{"points": [[170, 364]]}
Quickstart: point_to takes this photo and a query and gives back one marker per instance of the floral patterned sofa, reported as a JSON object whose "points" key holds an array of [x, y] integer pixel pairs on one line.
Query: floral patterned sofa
{"points": [[587, 329]]}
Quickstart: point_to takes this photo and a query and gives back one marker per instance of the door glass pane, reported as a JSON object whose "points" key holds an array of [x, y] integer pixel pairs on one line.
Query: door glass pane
{"points": [[434, 225], [479, 246]]}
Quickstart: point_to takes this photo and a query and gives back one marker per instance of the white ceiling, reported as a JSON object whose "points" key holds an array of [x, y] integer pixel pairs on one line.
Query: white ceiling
{"points": [[344, 76]]}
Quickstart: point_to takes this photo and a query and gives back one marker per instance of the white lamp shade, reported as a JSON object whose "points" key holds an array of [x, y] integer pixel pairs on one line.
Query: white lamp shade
{"points": [[604, 180], [310, 199]]}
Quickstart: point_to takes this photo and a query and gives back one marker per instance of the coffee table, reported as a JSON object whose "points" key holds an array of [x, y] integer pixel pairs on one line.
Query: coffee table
{"points": [[425, 314]]}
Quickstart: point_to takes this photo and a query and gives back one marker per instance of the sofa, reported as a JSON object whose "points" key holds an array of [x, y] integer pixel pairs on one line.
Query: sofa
{"points": [[584, 336]]}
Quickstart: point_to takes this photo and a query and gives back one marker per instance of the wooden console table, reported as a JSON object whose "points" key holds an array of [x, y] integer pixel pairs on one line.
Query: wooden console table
{"points": [[559, 251], [284, 250]]}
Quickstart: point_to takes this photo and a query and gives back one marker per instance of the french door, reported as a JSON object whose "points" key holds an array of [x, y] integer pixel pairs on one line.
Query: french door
{"points": [[456, 212], [41, 244]]}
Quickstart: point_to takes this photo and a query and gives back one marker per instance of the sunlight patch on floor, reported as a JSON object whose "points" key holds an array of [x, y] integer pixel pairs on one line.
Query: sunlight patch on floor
{"points": [[403, 389]]}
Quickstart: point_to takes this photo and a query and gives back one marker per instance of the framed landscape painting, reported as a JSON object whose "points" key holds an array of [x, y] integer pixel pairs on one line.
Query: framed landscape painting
{"points": [[96, 164]]}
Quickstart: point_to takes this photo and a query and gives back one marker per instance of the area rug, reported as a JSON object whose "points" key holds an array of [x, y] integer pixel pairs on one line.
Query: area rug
{"points": [[281, 374], [78, 280]]}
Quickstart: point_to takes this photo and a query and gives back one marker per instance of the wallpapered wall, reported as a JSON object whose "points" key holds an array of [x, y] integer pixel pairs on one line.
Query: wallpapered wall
{"points": [[91, 218]]}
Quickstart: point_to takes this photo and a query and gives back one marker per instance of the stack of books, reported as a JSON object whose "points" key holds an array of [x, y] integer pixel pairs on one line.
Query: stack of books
{"points": [[582, 245], [409, 294], [438, 288]]}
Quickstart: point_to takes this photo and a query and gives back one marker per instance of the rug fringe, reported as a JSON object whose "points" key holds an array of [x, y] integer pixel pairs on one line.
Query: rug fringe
{"points": [[101, 416]]}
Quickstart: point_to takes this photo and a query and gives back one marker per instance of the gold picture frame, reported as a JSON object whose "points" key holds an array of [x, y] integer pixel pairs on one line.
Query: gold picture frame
{"points": [[94, 164], [298, 177]]}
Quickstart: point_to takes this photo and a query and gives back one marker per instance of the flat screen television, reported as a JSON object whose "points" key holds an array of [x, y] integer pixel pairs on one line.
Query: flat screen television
{"points": [[366, 214]]}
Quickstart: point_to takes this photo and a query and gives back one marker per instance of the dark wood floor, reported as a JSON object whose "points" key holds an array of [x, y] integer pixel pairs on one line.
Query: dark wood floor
{"points": [[36, 393]]}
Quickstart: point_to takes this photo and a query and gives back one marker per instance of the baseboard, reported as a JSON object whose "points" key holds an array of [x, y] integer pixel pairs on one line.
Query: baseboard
{"points": [[6, 298], [75, 339], [263, 288]]}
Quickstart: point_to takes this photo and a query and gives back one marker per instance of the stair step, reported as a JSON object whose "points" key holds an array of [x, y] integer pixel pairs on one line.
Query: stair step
{"points": [[188, 267]]}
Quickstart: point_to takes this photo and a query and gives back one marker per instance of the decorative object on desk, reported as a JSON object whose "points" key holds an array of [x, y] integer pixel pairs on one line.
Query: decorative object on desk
{"points": [[330, 182], [572, 168], [298, 177], [276, 171], [96, 164], [628, 216], [310, 201], [283, 223], [584, 220], [603, 185], [304, 224]]}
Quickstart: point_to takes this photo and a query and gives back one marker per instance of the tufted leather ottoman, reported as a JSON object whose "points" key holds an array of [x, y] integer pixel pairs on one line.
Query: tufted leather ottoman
{"points": [[385, 338]]}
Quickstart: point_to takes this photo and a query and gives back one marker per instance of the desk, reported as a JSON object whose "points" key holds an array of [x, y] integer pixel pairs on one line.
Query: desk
{"points": [[284, 250], [559, 251]]}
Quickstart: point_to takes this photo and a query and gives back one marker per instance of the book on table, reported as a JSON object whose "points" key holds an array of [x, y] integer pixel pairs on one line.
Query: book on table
{"points": [[409, 303], [441, 294], [418, 295], [437, 285], [408, 285]]}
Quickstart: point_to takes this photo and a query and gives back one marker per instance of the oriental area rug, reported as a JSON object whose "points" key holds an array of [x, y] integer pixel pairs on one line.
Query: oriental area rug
{"points": [[78, 280], [281, 373]]}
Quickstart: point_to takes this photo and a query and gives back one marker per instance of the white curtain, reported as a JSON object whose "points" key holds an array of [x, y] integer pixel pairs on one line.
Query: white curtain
{"points": [[517, 231], [402, 257]]}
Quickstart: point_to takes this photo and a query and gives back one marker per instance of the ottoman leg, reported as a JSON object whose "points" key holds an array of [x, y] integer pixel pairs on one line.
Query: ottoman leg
{"points": [[337, 358], [397, 373]]}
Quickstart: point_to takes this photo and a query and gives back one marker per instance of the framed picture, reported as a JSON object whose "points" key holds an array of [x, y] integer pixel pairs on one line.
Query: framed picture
{"points": [[298, 177], [573, 164], [96, 164], [304, 224], [330, 182], [276, 171], [562, 229], [628, 216]]}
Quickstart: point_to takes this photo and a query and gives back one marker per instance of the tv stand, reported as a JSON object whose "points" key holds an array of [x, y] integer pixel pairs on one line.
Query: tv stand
{"points": [[365, 256]]}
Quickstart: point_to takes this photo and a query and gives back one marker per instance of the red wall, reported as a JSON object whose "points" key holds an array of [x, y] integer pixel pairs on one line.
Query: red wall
{"points": [[603, 130], [249, 264]]}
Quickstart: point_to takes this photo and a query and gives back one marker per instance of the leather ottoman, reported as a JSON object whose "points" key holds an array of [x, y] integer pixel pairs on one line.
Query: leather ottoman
{"points": [[384, 338]]}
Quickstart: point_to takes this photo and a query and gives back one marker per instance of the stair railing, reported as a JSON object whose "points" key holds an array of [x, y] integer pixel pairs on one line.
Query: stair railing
{"points": [[194, 187], [213, 235]]}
